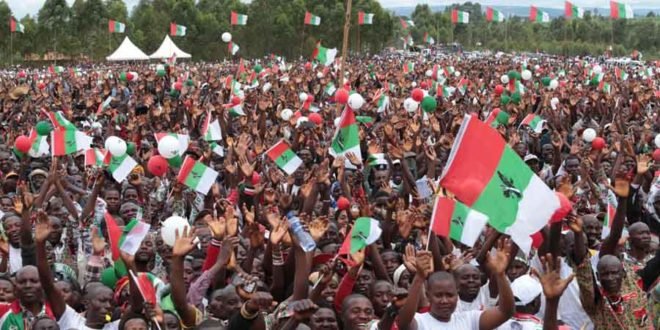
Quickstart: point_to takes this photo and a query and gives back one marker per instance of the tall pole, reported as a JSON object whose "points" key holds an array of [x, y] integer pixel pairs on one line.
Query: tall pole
{"points": [[358, 39], [302, 41], [506, 26], [344, 47], [11, 47]]}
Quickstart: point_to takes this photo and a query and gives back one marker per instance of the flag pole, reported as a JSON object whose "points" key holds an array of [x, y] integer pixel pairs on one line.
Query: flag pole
{"points": [[358, 38], [11, 47], [302, 40], [344, 47]]}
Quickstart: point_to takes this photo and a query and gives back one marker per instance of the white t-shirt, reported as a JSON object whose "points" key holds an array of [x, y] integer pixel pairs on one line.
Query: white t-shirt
{"points": [[480, 303], [513, 324], [15, 259], [458, 321], [72, 320]]}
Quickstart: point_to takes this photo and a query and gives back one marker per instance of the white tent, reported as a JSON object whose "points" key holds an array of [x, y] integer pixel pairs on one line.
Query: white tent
{"points": [[127, 51], [167, 49]]}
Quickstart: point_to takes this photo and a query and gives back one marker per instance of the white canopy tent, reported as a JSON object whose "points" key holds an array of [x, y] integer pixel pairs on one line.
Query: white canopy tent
{"points": [[167, 49], [127, 51]]}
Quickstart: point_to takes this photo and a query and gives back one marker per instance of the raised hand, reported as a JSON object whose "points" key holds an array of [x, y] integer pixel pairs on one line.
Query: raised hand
{"points": [[279, 231], [42, 227], [353, 159], [574, 223], [643, 163], [184, 242], [498, 262], [248, 215], [318, 227], [553, 284], [424, 263], [98, 243], [245, 166], [218, 227], [358, 257], [259, 301], [303, 309], [409, 258]]}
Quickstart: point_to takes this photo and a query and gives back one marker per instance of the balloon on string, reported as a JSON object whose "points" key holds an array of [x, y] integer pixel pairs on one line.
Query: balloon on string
{"points": [[116, 146], [44, 128], [589, 135], [286, 114], [171, 226], [226, 37], [598, 143], [553, 84], [178, 86], [417, 94], [169, 146], [424, 85], [504, 79], [526, 75], [499, 89], [410, 105], [302, 97], [656, 155], [341, 96], [355, 101], [258, 68], [429, 104], [505, 99], [457, 73], [235, 100], [413, 84], [23, 144], [130, 148], [315, 118], [267, 86], [158, 165]]}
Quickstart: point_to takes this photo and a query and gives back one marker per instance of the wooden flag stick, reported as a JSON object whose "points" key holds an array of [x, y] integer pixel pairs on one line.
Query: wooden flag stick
{"points": [[344, 46]]}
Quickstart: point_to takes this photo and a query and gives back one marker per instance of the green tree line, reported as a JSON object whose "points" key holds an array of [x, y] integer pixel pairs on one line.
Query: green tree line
{"points": [[276, 27]]}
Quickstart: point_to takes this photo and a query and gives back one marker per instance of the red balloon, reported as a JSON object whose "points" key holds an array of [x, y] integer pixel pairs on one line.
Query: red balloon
{"points": [[235, 100], [129, 76], [564, 209], [23, 144], [598, 143], [315, 118], [310, 98], [41, 85], [308, 66], [656, 155], [424, 85], [158, 165], [21, 74], [341, 96], [499, 89], [343, 203], [418, 94], [178, 85]]}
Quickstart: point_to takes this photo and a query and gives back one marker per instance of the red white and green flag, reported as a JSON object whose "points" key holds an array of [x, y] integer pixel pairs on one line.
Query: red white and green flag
{"points": [[330, 89], [211, 129], [55, 69], [455, 220], [133, 239], [177, 30], [114, 235], [463, 85], [408, 67], [58, 120], [40, 147], [97, 157], [408, 40], [238, 19], [365, 232], [497, 117], [535, 122], [347, 136], [383, 103], [620, 74], [183, 139], [609, 217], [121, 167], [538, 16], [428, 39], [458, 16], [324, 55], [620, 10], [365, 18], [405, 24], [442, 90], [311, 19], [116, 27], [285, 158], [233, 48], [448, 71], [16, 26], [494, 15], [196, 175], [485, 174], [66, 142], [573, 11], [604, 87]]}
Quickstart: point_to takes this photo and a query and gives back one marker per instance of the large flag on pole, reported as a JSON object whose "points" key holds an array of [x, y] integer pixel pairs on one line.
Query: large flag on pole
{"points": [[16, 26], [494, 15], [365, 18], [620, 10], [177, 30], [324, 55], [539, 16], [485, 174], [310, 19], [458, 16], [116, 27], [455, 220], [238, 19], [405, 24], [573, 11]]}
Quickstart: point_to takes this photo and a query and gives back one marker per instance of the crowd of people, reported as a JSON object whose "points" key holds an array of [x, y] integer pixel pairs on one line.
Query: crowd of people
{"points": [[246, 261]]}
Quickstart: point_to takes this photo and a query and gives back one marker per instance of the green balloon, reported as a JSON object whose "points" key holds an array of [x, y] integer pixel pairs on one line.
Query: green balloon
{"points": [[258, 68], [160, 73], [513, 75], [174, 92], [546, 81], [189, 82], [505, 99], [429, 104], [44, 128], [515, 97], [130, 148], [122, 76]]}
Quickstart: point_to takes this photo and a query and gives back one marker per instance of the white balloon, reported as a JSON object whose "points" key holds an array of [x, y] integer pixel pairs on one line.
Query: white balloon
{"points": [[553, 103], [413, 84], [168, 147], [355, 101], [160, 67], [429, 73], [116, 146], [657, 141], [504, 79], [597, 69], [589, 135], [319, 75], [226, 37], [267, 86], [457, 73], [170, 226], [526, 75], [536, 67], [302, 97], [286, 114], [554, 84], [410, 105]]}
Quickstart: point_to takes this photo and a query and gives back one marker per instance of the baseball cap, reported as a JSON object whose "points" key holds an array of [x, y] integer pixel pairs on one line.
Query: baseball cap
{"points": [[531, 157], [525, 289]]}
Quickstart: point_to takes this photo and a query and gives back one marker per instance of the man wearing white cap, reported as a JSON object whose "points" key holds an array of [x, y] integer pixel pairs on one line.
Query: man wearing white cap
{"points": [[527, 294]]}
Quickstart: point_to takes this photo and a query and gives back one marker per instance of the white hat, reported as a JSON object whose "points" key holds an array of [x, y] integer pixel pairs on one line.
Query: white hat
{"points": [[525, 288]]}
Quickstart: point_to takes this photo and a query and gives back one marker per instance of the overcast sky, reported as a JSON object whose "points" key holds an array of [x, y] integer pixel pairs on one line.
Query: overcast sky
{"points": [[22, 7]]}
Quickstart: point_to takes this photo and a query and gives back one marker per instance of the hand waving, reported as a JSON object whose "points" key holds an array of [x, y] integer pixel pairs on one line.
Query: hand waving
{"points": [[184, 242], [498, 262], [553, 284]]}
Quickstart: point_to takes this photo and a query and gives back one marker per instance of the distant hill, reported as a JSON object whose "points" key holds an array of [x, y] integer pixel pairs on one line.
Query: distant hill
{"points": [[523, 11]]}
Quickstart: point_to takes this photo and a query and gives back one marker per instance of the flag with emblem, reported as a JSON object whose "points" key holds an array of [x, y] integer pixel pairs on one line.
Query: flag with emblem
{"points": [[233, 48], [211, 129], [330, 89], [453, 219], [383, 103], [97, 157], [217, 149], [196, 175], [324, 55], [408, 67], [133, 239], [58, 120], [484, 173], [428, 39], [463, 85], [40, 147], [121, 167], [448, 71], [16, 26], [620, 74], [609, 215], [405, 24], [365, 232], [285, 158], [535, 122], [346, 138], [66, 142]]}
